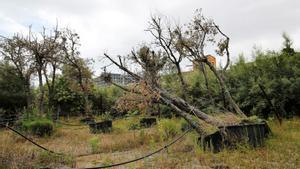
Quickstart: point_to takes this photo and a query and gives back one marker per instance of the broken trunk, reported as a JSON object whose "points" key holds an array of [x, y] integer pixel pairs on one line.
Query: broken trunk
{"points": [[231, 136]]}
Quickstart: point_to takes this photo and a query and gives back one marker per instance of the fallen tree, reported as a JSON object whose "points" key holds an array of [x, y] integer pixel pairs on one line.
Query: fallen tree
{"points": [[190, 42]]}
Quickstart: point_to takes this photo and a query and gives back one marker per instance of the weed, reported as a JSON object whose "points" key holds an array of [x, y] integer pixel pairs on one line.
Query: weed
{"points": [[184, 125], [167, 128], [134, 126], [94, 144]]}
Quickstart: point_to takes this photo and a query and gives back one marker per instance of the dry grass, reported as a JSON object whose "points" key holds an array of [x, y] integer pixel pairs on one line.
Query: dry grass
{"points": [[17, 153], [282, 150], [228, 118]]}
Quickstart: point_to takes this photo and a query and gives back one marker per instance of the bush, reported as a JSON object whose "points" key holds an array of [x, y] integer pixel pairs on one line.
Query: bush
{"points": [[133, 126], [184, 125], [148, 122], [39, 127], [166, 111], [132, 123], [167, 128], [12, 95]]}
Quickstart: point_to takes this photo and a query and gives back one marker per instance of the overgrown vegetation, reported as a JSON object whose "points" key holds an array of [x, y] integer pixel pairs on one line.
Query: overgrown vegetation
{"points": [[15, 152], [168, 129], [39, 127], [205, 99], [278, 73]]}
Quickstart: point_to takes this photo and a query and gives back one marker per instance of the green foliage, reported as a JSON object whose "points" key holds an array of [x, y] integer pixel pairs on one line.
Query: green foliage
{"points": [[106, 116], [171, 83], [133, 125], [166, 111], [184, 125], [71, 72], [278, 73], [40, 127], [70, 101], [197, 90], [104, 98], [12, 93], [253, 118], [168, 128]]}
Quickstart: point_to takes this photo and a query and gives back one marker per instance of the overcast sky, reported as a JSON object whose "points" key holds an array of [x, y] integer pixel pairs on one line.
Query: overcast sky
{"points": [[116, 26]]}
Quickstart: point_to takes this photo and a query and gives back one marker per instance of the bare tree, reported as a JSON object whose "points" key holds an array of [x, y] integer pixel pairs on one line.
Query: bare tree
{"points": [[200, 33], [166, 39]]}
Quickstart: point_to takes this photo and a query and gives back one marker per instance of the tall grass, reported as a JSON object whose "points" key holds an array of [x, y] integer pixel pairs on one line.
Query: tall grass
{"points": [[281, 150]]}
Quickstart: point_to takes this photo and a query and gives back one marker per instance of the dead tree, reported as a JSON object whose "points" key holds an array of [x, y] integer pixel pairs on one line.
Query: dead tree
{"points": [[149, 61], [189, 41], [200, 33], [202, 69], [165, 38]]}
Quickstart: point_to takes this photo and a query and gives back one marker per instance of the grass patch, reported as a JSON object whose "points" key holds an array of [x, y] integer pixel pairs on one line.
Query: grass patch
{"points": [[281, 150], [168, 128], [40, 127]]}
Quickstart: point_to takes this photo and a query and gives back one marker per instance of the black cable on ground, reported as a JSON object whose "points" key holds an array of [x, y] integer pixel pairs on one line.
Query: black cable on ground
{"points": [[36, 144], [106, 166], [143, 157]]}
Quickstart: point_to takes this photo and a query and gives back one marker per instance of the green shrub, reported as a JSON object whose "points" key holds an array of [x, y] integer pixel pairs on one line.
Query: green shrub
{"points": [[134, 126], [133, 123], [167, 128], [184, 125], [39, 127], [166, 111]]}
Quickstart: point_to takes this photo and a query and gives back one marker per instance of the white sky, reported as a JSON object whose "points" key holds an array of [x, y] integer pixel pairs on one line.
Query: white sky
{"points": [[116, 26]]}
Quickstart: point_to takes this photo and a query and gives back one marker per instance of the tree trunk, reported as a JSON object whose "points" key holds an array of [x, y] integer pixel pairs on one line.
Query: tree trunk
{"points": [[186, 107], [226, 92], [184, 115], [51, 86], [202, 67], [182, 82], [41, 97], [28, 92], [84, 90], [51, 97]]}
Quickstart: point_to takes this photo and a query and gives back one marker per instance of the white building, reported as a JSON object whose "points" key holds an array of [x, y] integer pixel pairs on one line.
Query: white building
{"points": [[116, 78]]}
